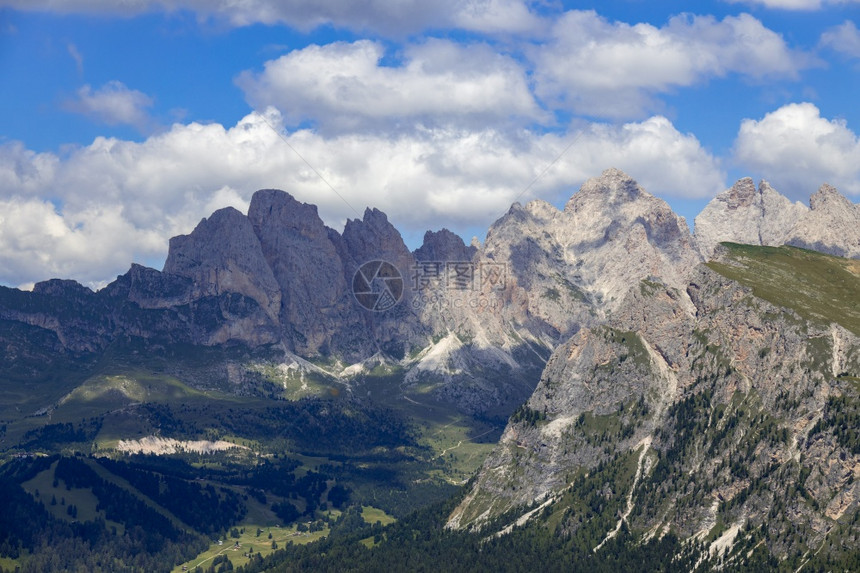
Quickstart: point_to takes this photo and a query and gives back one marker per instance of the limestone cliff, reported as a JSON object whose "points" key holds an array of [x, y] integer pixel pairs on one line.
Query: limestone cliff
{"points": [[742, 214]]}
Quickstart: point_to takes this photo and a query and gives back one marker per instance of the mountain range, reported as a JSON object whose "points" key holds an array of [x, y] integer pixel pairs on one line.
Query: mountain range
{"points": [[644, 379]]}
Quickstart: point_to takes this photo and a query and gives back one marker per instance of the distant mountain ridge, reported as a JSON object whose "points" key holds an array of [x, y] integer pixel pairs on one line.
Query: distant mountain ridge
{"points": [[279, 278]]}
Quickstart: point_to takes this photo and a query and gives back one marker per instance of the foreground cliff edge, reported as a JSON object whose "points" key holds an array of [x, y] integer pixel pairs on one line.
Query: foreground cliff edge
{"points": [[648, 382]]}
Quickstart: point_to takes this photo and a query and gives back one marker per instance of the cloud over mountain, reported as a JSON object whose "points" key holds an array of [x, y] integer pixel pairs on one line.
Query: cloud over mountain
{"points": [[140, 194], [799, 149]]}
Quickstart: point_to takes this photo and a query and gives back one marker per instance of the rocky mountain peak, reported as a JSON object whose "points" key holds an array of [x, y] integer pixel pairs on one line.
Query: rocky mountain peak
{"points": [[223, 254], [276, 206], [542, 210], [444, 245], [766, 189], [831, 225], [743, 214], [375, 217], [828, 196], [742, 194], [614, 206], [374, 238], [610, 235], [612, 188], [62, 288], [306, 265]]}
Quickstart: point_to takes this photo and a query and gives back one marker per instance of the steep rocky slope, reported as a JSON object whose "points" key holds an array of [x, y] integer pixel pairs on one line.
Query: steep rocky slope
{"points": [[727, 407]]}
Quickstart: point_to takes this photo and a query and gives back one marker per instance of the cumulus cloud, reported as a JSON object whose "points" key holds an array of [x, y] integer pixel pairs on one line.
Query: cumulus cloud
{"points": [[118, 201], [113, 104], [799, 150], [613, 69], [494, 16], [398, 18], [844, 39], [663, 160], [25, 172], [345, 86], [39, 242]]}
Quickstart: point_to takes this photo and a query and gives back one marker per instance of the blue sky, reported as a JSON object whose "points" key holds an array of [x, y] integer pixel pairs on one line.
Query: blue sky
{"points": [[122, 124]]}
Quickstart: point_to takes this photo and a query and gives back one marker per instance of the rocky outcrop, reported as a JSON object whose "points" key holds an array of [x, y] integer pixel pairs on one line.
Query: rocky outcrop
{"points": [[304, 262], [744, 214], [374, 238]]}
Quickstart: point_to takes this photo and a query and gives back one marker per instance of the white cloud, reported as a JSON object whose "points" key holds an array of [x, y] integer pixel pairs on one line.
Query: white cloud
{"points": [[613, 69], [798, 150], [490, 16], [113, 104], [844, 38], [395, 18], [26, 172], [119, 201], [663, 160], [345, 86], [794, 4], [92, 245]]}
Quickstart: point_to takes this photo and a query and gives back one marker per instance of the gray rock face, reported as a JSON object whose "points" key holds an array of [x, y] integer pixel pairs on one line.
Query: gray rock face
{"points": [[295, 243], [374, 236], [745, 215], [581, 261], [444, 246], [634, 233], [831, 226], [223, 254], [67, 289]]}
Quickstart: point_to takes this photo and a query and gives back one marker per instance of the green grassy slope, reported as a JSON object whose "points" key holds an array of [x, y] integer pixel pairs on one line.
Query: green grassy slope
{"points": [[819, 287]]}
